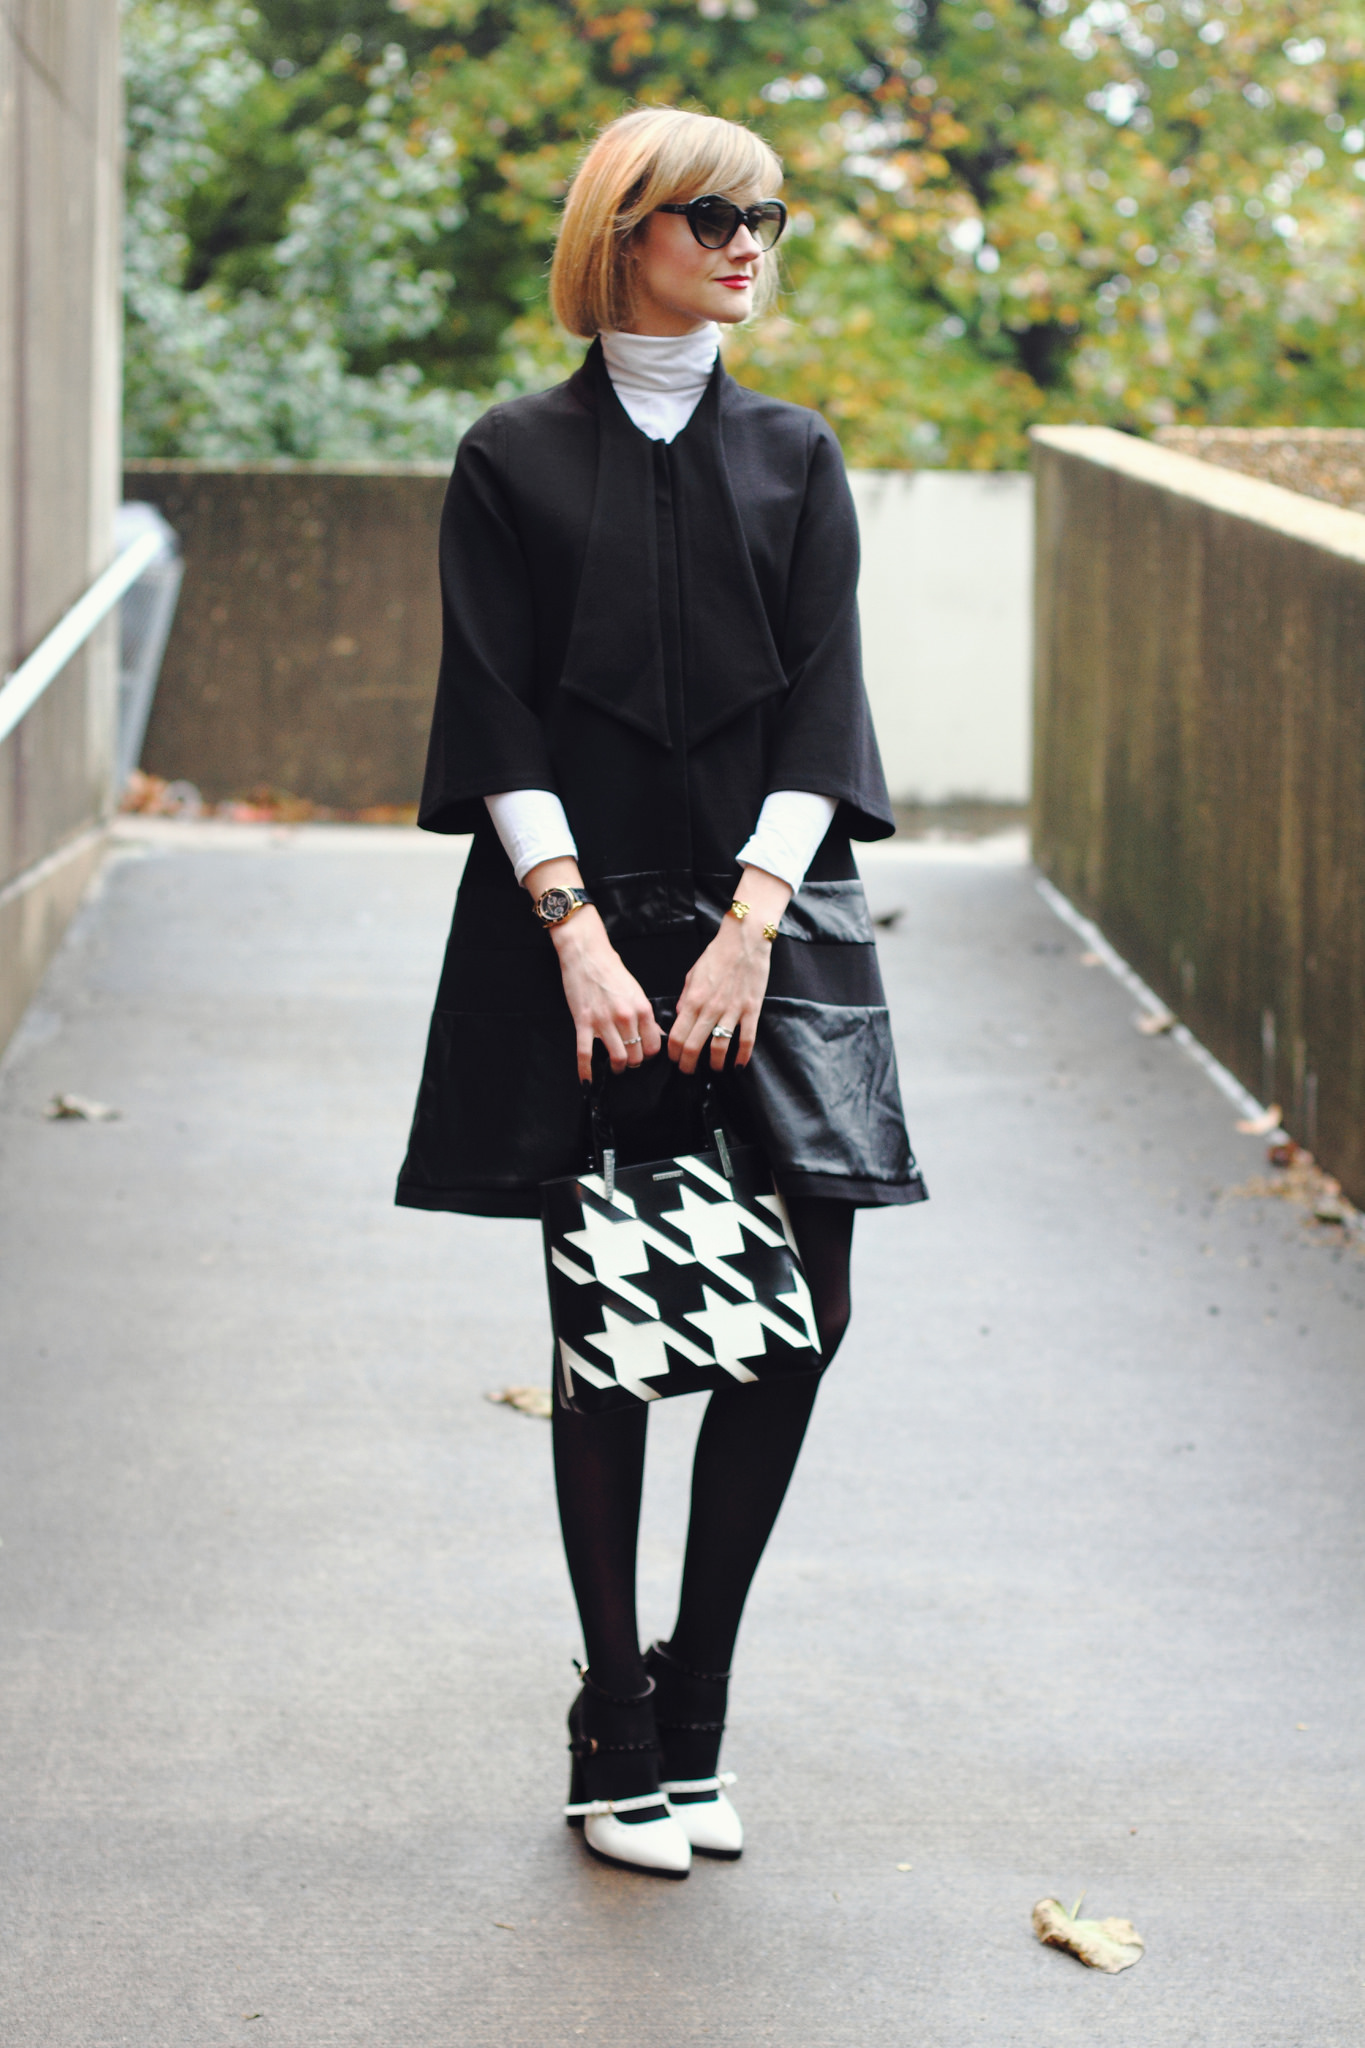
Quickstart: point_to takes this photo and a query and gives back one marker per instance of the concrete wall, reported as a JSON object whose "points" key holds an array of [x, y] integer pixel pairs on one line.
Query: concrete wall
{"points": [[304, 649], [1319, 462], [1199, 759], [946, 600], [59, 449], [303, 655]]}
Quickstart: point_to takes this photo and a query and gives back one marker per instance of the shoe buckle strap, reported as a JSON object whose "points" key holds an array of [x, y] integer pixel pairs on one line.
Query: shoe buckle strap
{"points": [[716, 1784], [597, 1806]]}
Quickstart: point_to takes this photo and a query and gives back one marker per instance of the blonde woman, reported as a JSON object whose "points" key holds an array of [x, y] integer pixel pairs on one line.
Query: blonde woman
{"points": [[651, 717]]}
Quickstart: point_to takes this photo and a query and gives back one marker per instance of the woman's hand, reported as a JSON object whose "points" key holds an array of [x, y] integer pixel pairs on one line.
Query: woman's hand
{"points": [[727, 983], [605, 1000]]}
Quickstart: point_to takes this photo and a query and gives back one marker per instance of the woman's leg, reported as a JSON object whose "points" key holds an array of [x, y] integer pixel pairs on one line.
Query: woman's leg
{"points": [[599, 1472], [746, 1453], [614, 1792]]}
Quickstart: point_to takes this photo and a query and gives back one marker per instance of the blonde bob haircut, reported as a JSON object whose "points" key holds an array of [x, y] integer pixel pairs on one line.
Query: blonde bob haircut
{"points": [[650, 158]]}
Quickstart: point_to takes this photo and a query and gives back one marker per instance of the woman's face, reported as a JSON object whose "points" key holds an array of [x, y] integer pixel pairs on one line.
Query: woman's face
{"points": [[679, 285]]}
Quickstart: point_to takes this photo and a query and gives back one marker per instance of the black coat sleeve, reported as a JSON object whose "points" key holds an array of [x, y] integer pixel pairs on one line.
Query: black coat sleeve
{"points": [[486, 735], [824, 741]]}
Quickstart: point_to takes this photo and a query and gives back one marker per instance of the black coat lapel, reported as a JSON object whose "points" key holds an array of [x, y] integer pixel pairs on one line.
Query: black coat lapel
{"points": [[615, 655], [732, 661]]}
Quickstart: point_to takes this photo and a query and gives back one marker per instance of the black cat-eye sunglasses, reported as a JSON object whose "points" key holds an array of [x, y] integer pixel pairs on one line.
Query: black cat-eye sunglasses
{"points": [[715, 221]]}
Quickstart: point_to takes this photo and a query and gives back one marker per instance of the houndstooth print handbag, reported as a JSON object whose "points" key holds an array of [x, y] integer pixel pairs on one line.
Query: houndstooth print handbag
{"points": [[672, 1278]]}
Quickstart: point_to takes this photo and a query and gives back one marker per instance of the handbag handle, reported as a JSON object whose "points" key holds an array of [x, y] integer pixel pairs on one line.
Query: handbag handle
{"points": [[602, 1138]]}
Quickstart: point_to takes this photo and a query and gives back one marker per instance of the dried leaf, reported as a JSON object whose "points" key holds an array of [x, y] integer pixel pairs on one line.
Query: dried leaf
{"points": [[80, 1106], [1261, 1126], [528, 1400], [1109, 1945], [1300, 1180], [1153, 1022]]}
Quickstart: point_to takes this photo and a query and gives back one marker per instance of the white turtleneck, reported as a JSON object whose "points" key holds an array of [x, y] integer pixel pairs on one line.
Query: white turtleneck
{"points": [[659, 379]]}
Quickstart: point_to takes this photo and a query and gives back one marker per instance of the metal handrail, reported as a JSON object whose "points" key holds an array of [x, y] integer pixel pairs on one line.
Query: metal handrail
{"points": [[22, 689]]}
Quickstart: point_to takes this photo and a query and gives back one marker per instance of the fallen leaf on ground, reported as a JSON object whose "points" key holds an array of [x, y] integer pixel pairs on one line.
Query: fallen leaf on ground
{"points": [[1299, 1179], [1261, 1126], [154, 797], [1153, 1022], [1109, 1945], [82, 1107], [528, 1400]]}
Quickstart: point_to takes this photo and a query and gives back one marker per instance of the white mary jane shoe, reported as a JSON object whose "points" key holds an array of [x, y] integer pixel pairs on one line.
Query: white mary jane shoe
{"points": [[637, 1834], [702, 1809]]}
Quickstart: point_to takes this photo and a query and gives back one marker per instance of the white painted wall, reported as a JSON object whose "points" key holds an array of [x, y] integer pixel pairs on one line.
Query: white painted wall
{"points": [[946, 600]]}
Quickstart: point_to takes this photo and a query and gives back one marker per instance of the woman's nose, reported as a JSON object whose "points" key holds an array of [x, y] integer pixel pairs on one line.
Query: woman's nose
{"points": [[743, 244]]}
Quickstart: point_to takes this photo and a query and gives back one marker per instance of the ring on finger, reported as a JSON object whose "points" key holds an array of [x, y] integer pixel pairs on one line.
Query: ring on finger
{"points": [[724, 1031], [630, 1041]]}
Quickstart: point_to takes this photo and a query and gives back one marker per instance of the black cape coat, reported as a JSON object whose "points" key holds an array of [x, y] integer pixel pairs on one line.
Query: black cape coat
{"points": [[661, 634]]}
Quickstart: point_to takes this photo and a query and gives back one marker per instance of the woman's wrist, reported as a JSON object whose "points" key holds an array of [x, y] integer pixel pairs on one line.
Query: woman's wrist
{"points": [[764, 897], [582, 933]]}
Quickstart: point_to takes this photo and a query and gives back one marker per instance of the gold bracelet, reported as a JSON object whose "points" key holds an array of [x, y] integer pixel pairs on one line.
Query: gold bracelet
{"points": [[739, 911]]}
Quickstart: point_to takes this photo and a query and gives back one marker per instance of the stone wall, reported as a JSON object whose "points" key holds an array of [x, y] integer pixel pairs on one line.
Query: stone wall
{"points": [[59, 443], [1199, 756]]}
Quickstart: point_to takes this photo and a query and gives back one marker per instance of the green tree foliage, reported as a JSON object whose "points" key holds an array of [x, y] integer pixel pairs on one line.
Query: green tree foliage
{"points": [[1004, 211]]}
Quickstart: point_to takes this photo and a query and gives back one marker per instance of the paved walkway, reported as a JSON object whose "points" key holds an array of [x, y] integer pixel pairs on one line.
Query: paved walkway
{"points": [[1066, 1598]]}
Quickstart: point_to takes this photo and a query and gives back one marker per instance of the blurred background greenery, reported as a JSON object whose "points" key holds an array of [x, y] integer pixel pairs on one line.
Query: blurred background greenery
{"points": [[340, 212]]}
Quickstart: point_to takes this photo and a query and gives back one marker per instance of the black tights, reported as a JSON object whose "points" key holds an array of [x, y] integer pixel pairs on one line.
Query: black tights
{"points": [[746, 1453]]}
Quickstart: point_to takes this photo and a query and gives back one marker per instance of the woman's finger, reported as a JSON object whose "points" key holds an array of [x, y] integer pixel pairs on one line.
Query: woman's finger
{"points": [[697, 1040], [684, 1022], [613, 1046], [637, 1027], [720, 1048], [585, 1038], [747, 1033], [634, 1043]]}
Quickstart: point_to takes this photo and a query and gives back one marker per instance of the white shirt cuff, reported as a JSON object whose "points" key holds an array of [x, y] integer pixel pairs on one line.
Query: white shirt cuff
{"points": [[532, 827], [785, 840]]}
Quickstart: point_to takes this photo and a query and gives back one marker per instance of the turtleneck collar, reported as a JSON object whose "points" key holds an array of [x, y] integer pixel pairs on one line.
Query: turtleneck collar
{"points": [[659, 378]]}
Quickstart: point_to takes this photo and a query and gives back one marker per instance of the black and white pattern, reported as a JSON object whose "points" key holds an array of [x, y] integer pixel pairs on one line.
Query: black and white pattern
{"points": [[673, 1278]]}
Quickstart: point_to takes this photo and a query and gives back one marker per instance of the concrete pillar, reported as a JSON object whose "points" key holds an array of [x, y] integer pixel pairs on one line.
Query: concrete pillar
{"points": [[59, 454]]}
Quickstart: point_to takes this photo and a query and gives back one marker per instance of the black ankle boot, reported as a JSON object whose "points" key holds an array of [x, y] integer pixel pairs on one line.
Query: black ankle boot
{"points": [[689, 1713], [614, 1793]]}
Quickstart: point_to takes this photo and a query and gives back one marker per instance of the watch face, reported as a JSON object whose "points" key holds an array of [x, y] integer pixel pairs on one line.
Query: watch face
{"points": [[555, 905]]}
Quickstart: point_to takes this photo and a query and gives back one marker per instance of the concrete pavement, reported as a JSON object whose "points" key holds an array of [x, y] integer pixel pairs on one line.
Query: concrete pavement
{"points": [[1067, 1596]]}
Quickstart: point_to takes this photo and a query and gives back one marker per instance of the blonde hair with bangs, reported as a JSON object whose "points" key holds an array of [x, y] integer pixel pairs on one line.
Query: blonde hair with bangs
{"points": [[646, 159]]}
